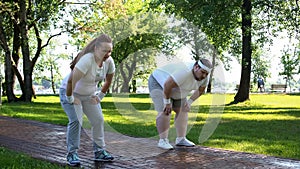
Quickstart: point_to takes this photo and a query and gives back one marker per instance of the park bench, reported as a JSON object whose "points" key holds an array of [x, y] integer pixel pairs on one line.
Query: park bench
{"points": [[278, 88], [238, 86]]}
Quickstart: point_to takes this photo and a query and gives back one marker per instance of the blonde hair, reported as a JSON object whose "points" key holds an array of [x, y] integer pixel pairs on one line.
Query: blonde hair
{"points": [[103, 38]]}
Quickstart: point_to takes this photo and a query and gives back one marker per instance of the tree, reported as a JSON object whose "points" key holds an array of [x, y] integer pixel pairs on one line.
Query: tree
{"points": [[48, 69], [290, 61], [243, 91], [190, 35], [227, 22], [260, 65], [142, 48], [217, 19], [18, 21]]}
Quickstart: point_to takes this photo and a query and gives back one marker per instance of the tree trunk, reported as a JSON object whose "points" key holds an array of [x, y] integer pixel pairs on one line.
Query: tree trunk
{"points": [[8, 70], [127, 76], [9, 81], [27, 64], [212, 72], [52, 79], [243, 91]]}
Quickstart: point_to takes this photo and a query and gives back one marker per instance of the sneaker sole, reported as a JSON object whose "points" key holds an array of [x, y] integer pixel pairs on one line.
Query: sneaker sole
{"points": [[166, 148], [74, 164], [180, 145], [102, 160]]}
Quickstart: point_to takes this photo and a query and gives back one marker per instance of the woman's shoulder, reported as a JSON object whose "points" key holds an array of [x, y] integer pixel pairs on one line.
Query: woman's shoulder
{"points": [[88, 55], [109, 61], [86, 59]]}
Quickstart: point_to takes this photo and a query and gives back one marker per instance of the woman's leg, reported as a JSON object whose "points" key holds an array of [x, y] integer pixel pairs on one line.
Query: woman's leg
{"points": [[95, 116], [74, 125]]}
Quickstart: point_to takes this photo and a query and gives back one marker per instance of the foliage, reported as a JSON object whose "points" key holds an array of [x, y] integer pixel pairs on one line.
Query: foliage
{"points": [[217, 19], [47, 69], [275, 16], [225, 22], [132, 28], [260, 65], [290, 61]]}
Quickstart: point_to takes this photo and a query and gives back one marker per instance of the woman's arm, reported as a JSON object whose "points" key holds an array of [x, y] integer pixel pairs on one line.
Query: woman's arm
{"points": [[75, 76], [107, 82]]}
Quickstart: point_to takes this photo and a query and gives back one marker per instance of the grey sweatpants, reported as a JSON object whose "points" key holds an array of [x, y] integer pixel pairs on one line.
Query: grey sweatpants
{"points": [[75, 116]]}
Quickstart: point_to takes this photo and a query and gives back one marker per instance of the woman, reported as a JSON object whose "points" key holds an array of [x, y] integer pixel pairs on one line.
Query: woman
{"points": [[77, 93]]}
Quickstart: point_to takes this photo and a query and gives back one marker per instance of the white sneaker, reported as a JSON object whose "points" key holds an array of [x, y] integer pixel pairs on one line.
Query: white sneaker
{"points": [[164, 144], [184, 142]]}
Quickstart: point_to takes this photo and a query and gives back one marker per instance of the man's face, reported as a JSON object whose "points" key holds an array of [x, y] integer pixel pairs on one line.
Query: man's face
{"points": [[199, 73]]}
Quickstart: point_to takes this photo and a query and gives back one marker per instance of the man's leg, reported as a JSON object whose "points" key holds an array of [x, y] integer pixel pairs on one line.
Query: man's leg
{"points": [[163, 124], [162, 120], [181, 123]]}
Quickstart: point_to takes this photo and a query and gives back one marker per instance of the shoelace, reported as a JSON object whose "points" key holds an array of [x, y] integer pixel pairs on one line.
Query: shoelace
{"points": [[74, 157], [104, 153]]}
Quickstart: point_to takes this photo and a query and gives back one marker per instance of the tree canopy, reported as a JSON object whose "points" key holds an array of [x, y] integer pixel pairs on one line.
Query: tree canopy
{"points": [[236, 26]]}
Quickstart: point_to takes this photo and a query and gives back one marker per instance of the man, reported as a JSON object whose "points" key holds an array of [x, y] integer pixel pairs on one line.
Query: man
{"points": [[169, 86], [260, 84]]}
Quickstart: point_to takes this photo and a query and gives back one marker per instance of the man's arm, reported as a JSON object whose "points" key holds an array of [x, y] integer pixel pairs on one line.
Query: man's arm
{"points": [[169, 84], [197, 93], [194, 97]]}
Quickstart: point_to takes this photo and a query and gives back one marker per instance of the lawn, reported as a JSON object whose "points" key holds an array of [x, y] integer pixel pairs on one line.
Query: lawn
{"points": [[15, 160], [266, 124]]}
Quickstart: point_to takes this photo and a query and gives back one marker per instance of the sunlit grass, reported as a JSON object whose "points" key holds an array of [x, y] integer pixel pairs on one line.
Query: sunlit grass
{"points": [[14, 160], [266, 124]]}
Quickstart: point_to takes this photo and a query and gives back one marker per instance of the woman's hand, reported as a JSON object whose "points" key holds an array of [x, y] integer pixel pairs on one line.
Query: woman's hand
{"points": [[94, 99]]}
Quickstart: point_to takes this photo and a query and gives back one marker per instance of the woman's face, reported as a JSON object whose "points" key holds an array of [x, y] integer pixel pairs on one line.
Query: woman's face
{"points": [[103, 51]]}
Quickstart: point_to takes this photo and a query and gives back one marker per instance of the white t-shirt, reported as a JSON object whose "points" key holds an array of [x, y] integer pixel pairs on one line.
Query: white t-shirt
{"points": [[93, 74], [182, 75]]}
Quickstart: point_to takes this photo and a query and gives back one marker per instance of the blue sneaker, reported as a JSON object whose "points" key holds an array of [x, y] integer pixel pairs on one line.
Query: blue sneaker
{"points": [[73, 159], [103, 155]]}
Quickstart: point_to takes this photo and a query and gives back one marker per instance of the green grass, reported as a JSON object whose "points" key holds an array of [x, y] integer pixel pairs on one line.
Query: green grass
{"points": [[267, 124], [15, 160]]}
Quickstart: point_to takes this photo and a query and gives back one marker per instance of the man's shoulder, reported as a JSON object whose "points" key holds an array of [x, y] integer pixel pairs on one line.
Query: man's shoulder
{"points": [[176, 66]]}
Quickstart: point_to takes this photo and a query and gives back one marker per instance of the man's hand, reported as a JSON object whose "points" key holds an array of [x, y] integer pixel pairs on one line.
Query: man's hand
{"points": [[168, 106], [168, 109], [187, 105]]}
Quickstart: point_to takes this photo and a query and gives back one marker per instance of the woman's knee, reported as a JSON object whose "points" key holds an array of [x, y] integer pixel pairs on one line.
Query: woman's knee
{"points": [[97, 121]]}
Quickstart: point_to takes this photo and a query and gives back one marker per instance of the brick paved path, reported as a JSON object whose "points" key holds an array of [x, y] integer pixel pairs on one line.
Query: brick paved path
{"points": [[47, 141]]}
